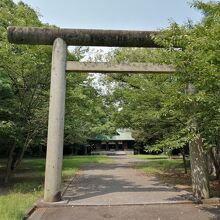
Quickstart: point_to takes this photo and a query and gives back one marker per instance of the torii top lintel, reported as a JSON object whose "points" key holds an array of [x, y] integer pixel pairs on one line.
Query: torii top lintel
{"points": [[82, 37]]}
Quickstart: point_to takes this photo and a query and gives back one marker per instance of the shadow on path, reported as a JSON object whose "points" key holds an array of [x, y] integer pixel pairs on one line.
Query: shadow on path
{"points": [[119, 183]]}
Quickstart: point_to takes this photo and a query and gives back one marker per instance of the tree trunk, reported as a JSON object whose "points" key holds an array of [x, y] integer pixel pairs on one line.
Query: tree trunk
{"points": [[85, 150], [214, 154], [199, 169], [198, 157], [184, 160], [21, 155], [9, 164]]}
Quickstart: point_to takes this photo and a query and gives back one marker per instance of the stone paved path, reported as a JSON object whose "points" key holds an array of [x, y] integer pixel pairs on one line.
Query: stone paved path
{"points": [[119, 184]]}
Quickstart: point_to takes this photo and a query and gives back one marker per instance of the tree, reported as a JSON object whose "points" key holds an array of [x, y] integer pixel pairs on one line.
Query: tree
{"points": [[160, 109], [198, 65], [25, 69], [24, 86]]}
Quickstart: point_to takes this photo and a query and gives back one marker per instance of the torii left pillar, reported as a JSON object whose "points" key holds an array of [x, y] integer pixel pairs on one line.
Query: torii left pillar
{"points": [[54, 158]]}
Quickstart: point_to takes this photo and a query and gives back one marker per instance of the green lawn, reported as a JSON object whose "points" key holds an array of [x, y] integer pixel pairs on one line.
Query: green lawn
{"points": [[26, 186], [160, 164]]}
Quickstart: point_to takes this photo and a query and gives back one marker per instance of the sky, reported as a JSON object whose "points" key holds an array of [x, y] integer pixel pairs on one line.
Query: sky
{"points": [[114, 14]]}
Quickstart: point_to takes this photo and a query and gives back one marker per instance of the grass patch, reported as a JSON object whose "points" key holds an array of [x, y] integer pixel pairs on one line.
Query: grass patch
{"points": [[26, 185], [158, 165], [149, 156], [167, 170], [171, 171]]}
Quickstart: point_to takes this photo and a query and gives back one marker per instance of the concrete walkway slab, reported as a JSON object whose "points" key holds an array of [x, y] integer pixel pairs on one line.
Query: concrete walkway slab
{"points": [[144, 212]]}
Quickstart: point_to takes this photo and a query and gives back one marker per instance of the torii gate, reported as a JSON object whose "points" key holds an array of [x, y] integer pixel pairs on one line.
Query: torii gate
{"points": [[60, 38]]}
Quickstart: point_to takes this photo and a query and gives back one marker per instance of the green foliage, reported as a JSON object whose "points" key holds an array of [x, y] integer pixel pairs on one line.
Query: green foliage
{"points": [[24, 82], [24, 92], [84, 109], [142, 98], [198, 63], [157, 108]]}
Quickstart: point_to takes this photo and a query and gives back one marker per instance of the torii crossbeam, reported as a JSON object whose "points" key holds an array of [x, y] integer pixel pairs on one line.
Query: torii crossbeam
{"points": [[60, 38]]}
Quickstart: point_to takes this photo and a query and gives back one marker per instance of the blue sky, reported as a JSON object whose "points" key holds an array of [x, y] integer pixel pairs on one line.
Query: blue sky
{"points": [[114, 14]]}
